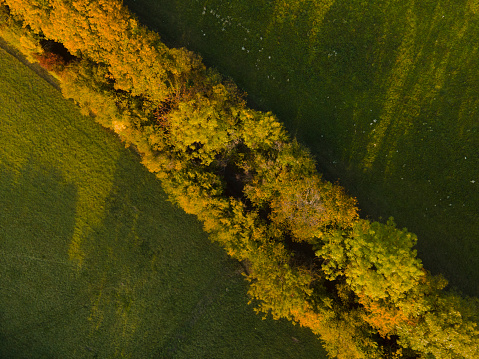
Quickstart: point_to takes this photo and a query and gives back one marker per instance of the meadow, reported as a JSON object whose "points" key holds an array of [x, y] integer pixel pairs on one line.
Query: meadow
{"points": [[384, 94], [95, 263]]}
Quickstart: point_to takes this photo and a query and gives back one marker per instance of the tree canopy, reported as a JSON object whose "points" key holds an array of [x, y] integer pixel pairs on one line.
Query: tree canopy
{"points": [[311, 259]]}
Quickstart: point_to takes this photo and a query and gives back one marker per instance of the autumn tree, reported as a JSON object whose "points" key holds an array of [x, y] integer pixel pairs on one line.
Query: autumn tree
{"points": [[361, 287]]}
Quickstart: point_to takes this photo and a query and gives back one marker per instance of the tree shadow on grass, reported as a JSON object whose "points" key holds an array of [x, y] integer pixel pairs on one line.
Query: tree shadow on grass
{"points": [[38, 299], [149, 280], [154, 278], [145, 266], [147, 262]]}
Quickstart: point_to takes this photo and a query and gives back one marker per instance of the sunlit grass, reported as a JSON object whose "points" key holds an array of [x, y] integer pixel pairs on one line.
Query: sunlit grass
{"points": [[94, 262], [384, 93]]}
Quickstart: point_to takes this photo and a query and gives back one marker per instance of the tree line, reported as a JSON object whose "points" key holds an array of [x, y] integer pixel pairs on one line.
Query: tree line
{"points": [[310, 258]]}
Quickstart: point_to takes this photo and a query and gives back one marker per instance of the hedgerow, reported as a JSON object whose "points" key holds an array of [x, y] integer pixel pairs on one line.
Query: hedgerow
{"points": [[310, 258]]}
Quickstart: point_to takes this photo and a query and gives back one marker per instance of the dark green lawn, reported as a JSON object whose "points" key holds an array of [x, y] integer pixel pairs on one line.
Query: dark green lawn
{"points": [[95, 263], [384, 93]]}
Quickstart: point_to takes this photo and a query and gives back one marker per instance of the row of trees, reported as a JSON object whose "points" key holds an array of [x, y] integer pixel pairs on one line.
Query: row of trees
{"points": [[310, 258]]}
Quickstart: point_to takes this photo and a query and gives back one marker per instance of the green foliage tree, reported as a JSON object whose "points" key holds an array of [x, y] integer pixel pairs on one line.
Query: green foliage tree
{"points": [[202, 127], [382, 263], [448, 330]]}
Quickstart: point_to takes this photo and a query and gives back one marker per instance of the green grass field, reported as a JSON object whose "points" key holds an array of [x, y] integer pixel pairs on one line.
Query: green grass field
{"points": [[95, 263], [383, 93]]}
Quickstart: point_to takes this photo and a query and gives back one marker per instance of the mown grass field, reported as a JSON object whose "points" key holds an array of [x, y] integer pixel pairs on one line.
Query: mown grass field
{"points": [[95, 263], [383, 93]]}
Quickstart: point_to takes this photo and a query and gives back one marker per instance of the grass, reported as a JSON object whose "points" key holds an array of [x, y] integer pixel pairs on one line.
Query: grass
{"points": [[384, 94], [95, 263]]}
